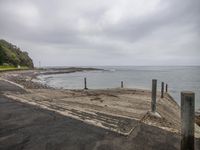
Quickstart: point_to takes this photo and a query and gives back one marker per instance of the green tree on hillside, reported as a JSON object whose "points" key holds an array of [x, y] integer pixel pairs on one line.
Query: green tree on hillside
{"points": [[1, 55], [12, 55]]}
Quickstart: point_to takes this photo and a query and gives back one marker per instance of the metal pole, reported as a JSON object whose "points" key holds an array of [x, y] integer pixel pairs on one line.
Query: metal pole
{"points": [[187, 120], [122, 84], [162, 89], [85, 84], [153, 95]]}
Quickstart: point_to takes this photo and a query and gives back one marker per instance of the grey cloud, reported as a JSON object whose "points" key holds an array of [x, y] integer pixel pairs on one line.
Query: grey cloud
{"points": [[90, 29], [177, 15]]}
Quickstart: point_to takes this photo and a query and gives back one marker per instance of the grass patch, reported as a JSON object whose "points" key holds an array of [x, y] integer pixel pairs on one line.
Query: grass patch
{"points": [[10, 68]]}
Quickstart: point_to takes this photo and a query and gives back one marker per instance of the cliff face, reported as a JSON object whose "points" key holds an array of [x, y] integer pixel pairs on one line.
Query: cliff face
{"points": [[12, 55]]}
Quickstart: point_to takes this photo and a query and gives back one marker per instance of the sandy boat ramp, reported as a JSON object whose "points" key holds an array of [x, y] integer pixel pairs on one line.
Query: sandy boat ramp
{"points": [[119, 110]]}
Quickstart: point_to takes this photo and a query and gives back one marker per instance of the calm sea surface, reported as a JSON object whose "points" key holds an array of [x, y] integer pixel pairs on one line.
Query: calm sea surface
{"points": [[178, 79]]}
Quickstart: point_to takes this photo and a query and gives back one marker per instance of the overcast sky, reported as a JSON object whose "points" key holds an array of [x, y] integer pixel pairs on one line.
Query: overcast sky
{"points": [[104, 32]]}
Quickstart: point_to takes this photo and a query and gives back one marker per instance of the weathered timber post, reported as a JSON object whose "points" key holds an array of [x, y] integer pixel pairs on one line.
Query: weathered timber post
{"points": [[162, 89], [153, 95], [85, 84], [122, 84], [187, 120], [166, 88]]}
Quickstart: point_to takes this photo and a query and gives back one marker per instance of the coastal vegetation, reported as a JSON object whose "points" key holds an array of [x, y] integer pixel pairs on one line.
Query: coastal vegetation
{"points": [[13, 58]]}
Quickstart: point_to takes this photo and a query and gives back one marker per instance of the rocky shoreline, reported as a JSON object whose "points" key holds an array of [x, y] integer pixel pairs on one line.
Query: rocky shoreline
{"points": [[49, 71], [28, 78], [25, 78]]}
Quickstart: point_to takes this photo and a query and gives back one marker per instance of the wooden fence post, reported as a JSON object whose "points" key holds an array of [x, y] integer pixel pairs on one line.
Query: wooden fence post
{"points": [[122, 84], [162, 89], [85, 84], [187, 120], [153, 95]]}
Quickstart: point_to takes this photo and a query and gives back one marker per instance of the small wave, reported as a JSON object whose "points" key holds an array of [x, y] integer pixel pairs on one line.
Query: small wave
{"points": [[112, 70], [48, 77]]}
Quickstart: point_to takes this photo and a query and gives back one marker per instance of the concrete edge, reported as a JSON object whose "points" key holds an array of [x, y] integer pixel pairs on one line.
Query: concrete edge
{"points": [[172, 99], [16, 84]]}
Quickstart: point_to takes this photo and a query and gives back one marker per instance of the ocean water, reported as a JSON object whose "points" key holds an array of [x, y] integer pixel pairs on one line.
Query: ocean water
{"points": [[178, 79]]}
